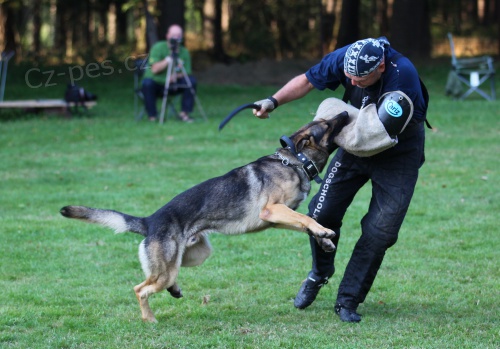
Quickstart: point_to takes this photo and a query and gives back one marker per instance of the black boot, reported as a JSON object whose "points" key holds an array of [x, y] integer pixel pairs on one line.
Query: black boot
{"points": [[309, 290], [322, 270], [346, 314]]}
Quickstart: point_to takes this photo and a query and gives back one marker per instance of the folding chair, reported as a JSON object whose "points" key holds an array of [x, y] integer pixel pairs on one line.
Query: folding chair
{"points": [[140, 66], [472, 72], [4, 64]]}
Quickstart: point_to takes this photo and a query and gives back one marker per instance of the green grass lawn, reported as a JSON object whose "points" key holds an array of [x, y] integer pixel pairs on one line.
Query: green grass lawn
{"points": [[67, 284]]}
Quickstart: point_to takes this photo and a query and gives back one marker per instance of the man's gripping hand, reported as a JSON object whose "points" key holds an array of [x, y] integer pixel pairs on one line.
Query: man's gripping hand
{"points": [[266, 106], [169, 60]]}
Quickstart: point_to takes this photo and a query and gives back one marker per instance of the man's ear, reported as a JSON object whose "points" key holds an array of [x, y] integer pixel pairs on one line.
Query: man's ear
{"points": [[381, 67]]}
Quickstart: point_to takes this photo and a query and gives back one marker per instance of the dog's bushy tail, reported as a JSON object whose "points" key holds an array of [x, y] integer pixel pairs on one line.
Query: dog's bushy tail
{"points": [[115, 220]]}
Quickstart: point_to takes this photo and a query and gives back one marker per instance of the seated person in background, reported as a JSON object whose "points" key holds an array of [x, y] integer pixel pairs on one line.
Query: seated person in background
{"points": [[162, 55]]}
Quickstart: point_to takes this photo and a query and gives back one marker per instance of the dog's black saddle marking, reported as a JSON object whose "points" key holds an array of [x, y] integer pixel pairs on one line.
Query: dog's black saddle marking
{"points": [[308, 165]]}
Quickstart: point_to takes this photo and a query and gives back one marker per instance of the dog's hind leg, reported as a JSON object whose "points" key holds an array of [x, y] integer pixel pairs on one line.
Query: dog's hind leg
{"points": [[142, 297], [161, 266], [148, 287], [197, 251]]}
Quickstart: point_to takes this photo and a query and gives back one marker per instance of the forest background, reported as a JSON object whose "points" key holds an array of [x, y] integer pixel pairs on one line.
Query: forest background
{"points": [[47, 32]]}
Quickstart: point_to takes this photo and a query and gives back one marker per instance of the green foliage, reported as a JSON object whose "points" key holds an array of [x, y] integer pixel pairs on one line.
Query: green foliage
{"points": [[249, 30], [67, 284], [274, 30]]}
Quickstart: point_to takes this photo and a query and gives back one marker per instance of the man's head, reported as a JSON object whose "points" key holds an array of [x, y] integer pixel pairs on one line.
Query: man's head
{"points": [[174, 32], [364, 61]]}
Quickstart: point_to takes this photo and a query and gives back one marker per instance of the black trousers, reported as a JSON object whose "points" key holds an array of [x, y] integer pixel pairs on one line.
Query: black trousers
{"points": [[393, 174], [153, 90]]}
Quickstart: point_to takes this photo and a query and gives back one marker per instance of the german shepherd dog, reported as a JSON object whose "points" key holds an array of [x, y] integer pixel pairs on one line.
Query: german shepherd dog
{"points": [[251, 198]]}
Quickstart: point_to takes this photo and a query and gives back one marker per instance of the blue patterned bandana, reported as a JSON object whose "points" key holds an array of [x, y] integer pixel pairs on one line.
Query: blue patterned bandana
{"points": [[364, 56]]}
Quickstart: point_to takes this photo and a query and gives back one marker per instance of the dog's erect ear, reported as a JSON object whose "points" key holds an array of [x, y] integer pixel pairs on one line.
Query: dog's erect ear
{"points": [[336, 124], [312, 135], [302, 143]]}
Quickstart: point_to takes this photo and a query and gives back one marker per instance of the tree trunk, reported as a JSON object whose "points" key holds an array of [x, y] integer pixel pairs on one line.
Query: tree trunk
{"points": [[151, 30], [497, 10], [219, 53], [382, 17], [61, 28], [9, 28], [37, 24], [121, 24], [349, 23], [471, 12], [410, 28], [171, 12], [103, 22], [327, 23], [208, 23], [87, 17]]}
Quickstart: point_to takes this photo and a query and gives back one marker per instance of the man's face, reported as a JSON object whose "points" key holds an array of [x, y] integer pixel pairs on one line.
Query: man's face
{"points": [[175, 32], [367, 80]]}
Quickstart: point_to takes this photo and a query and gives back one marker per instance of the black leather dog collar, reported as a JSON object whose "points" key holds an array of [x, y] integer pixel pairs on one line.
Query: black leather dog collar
{"points": [[307, 164]]}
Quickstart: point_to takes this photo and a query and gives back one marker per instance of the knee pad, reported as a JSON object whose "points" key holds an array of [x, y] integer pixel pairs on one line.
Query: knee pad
{"points": [[378, 240]]}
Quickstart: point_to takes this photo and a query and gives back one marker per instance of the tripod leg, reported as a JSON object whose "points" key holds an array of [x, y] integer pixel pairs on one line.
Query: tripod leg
{"points": [[165, 92], [193, 92], [200, 108]]}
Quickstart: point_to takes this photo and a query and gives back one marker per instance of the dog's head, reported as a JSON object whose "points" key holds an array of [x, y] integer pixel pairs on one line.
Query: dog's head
{"points": [[316, 139]]}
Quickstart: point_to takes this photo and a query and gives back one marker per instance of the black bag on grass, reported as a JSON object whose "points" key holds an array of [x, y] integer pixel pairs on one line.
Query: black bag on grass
{"points": [[78, 95]]}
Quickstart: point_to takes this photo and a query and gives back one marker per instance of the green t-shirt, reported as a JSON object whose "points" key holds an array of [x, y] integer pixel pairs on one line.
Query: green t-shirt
{"points": [[158, 52]]}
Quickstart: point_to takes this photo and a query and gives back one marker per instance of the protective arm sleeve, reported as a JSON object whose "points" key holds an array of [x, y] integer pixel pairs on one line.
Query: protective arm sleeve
{"points": [[395, 110]]}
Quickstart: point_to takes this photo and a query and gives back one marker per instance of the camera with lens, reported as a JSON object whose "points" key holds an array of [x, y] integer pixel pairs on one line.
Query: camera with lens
{"points": [[174, 44]]}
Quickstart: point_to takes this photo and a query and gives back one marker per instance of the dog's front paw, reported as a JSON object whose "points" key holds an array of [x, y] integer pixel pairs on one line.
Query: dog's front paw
{"points": [[326, 244], [323, 233]]}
